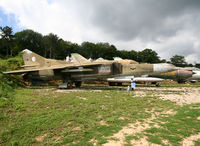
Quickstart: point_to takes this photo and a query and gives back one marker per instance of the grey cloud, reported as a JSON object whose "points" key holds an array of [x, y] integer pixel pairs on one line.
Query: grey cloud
{"points": [[151, 21], [147, 19], [168, 26]]}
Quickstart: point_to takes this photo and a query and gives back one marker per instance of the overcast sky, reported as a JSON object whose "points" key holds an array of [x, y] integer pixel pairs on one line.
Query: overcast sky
{"points": [[169, 27]]}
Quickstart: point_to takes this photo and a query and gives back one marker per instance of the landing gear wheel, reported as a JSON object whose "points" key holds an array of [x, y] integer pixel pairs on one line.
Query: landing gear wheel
{"points": [[158, 85], [111, 84], [181, 81], [65, 85], [119, 84], [78, 84]]}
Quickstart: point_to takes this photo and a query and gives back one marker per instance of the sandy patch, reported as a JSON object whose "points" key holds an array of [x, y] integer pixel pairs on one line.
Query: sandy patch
{"points": [[96, 90], [137, 127], [131, 129], [179, 95], [122, 118], [169, 112], [82, 98], [166, 142], [185, 96], [57, 138], [40, 138], [189, 141], [94, 141], [142, 142], [75, 90], [102, 122], [69, 90], [76, 128]]}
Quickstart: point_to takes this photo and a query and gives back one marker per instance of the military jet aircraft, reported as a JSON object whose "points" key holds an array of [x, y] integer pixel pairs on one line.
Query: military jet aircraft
{"points": [[38, 69]]}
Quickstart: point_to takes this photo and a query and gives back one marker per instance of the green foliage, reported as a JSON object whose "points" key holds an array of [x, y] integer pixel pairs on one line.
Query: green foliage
{"points": [[74, 117], [197, 65], [51, 46], [13, 63], [7, 82], [6, 41], [183, 124], [128, 54], [6, 89], [178, 60], [28, 39], [148, 55]]}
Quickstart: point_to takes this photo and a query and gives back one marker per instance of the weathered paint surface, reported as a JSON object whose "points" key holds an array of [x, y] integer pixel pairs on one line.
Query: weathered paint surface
{"points": [[79, 68], [180, 74]]}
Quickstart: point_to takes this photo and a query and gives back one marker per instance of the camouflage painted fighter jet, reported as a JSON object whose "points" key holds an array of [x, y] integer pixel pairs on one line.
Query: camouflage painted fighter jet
{"points": [[77, 69]]}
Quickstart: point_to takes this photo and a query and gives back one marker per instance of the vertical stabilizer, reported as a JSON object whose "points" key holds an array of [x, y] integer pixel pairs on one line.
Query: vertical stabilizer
{"points": [[32, 60]]}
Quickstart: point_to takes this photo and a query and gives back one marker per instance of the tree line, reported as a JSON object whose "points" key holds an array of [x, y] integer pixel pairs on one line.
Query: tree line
{"points": [[52, 46]]}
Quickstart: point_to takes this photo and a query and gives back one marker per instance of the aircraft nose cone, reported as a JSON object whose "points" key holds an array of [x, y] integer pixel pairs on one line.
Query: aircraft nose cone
{"points": [[163, 67], [196, 75]]}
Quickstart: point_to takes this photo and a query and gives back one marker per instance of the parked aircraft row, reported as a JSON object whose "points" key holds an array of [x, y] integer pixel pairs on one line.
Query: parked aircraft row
{"points": [[76, 69], [180, 75]]}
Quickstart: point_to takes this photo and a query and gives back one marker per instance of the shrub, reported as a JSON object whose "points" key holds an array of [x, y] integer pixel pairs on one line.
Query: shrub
{"points": [[7, 82], [13, 63], [6, 86]]}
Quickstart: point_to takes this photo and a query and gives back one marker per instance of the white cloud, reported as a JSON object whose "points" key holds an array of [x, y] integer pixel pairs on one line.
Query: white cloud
{"points": [[62, 18], [192, 58], [128, 25]]}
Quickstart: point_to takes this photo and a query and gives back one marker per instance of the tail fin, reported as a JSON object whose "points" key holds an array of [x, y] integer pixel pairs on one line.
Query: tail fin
{"points": [[32, 60], [78, 58]]}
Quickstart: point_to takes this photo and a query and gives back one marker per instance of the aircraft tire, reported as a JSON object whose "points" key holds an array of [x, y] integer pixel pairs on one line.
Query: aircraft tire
{"points": [[119, 84], [181, 81], [158, 84], [78, 84], [111, 84]]}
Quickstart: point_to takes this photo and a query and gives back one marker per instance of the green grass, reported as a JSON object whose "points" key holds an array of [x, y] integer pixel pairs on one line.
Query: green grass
{"points": [[12, 63], [74, 117], [183, 124], [197, 142]]}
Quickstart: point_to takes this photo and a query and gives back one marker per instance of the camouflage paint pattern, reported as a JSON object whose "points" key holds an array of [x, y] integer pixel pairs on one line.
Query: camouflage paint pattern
{"points": [[79, 68]]}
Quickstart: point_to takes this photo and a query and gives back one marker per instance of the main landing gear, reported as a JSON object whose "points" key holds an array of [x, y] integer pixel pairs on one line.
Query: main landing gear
{"points": [[69, 85], [114, 84]]}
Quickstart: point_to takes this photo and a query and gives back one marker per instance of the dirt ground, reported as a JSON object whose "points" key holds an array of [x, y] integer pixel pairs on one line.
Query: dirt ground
{"points": [[180, 95]]}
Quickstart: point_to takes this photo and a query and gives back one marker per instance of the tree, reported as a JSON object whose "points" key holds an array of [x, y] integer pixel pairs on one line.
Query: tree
{"points": [[197, 65], [65, 49], [106, 50], [148, 56], [89, 50], [51, 43], [29, 39], [7, 38], [178, 60]]}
